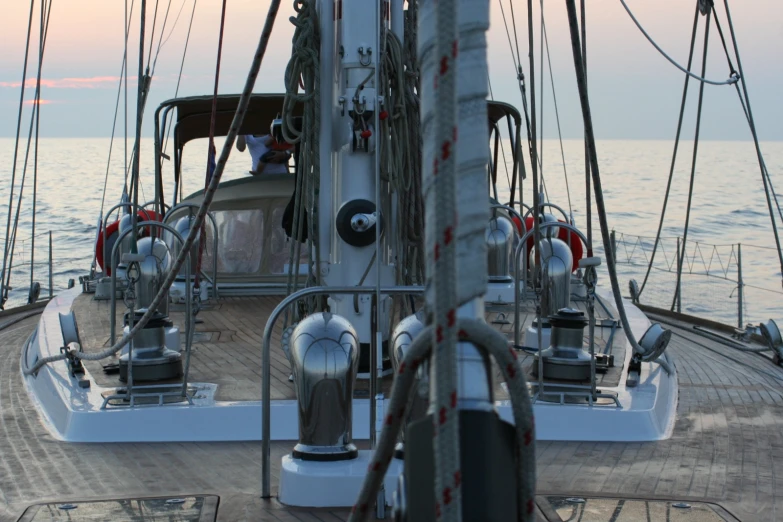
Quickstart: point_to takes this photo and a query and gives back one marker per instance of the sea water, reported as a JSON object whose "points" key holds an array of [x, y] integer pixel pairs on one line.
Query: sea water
{"points": [[728, 208]]}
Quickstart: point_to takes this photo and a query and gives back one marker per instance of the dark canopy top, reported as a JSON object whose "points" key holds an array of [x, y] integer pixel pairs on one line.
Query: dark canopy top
{"points": [[193, 114]]}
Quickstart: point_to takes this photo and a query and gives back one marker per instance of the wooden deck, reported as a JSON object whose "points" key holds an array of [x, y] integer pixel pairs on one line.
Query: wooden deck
{"points": [[228, 339], [726, 449]]}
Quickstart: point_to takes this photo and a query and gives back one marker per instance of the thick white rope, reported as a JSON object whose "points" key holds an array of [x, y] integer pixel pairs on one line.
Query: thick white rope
{"points": [[438, 51], [209, 195], [496, 345], [732, 80]]}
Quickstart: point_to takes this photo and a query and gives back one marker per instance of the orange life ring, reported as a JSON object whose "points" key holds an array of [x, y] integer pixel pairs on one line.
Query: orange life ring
{"points": [[577, 250], [113, 228]]}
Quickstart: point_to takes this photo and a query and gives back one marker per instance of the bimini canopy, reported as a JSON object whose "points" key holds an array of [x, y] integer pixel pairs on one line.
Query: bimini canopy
{"points": [[498, 110], [194, 114]]}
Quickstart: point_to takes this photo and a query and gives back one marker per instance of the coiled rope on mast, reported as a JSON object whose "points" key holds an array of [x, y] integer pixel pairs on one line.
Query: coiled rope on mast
{"points": [[304, 66]]}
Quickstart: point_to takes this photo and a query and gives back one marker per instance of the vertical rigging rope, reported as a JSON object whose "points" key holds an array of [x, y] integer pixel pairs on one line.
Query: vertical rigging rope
{"points": [[755, 136], [4, 289], [588, 196], [181, 68], [438, 51], [139, 118], [557, 115], [596, 176], [36, 104], [211, 152], [125, 164], [209, 194], [693, 161], [114, 125], [674, 154], [532, 135]]}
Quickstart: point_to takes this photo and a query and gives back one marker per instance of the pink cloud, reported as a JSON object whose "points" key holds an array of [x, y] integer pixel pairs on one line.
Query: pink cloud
{"points": [[40, 102], [96, 82]]}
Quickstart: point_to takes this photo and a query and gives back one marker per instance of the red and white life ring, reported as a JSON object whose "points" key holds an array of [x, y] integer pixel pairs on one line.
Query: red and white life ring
{"points": [[577, 250], [112, 231]]}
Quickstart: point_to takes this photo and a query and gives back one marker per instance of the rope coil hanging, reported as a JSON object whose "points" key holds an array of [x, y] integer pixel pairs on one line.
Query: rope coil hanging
{"points": [[304, 67]]}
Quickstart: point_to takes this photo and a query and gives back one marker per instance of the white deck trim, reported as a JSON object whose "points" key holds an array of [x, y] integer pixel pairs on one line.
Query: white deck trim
{"points": [[73, 414]]}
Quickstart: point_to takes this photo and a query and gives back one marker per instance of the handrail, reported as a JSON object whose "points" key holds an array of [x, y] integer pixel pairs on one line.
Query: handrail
{"points": [[118, 206], [552, 205], [266, 385], [214, 239]]}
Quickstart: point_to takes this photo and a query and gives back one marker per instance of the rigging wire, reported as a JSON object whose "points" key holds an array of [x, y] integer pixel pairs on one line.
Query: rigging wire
{"points": [[508, 35], [174, 26], [160, 38], [588, 196], [36, 103], [4, 290], [745, 111], [541, 98], [639, 352], [125, 59], [695, 154], [114, 125], [139, 116], [753, 132], [732, 79], [676, 147], [557, 116], [211, 151], [181, 68], [209, 195], [152, 33]]}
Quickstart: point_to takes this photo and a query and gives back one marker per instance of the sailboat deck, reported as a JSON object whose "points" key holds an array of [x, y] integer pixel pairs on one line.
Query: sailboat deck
{"points": [[726, 449], [227, 346]]}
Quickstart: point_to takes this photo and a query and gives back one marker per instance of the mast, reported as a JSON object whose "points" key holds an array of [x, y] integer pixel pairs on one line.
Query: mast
{"points": [[354, 199]]}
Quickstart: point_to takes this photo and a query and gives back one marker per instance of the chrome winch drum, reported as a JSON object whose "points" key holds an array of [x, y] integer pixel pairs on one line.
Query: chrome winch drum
{"points": [[565, 358], [500, 237], [324, 353], [152, 360], [402, 338]]}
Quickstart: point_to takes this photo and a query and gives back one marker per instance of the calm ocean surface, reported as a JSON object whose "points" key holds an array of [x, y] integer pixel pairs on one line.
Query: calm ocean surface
{"points": [[728, 208]]}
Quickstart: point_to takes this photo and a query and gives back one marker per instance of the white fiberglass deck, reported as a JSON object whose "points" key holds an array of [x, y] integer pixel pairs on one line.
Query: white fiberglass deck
{"points": [[225, 381]]}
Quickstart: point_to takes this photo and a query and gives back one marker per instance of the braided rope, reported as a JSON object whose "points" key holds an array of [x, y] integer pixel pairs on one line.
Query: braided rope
{"points": [[438, 50], [494, 343]]}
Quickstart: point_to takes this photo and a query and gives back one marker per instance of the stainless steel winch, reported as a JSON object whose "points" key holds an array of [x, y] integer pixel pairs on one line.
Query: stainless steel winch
{"points": [[152, 359], [565, 358]]}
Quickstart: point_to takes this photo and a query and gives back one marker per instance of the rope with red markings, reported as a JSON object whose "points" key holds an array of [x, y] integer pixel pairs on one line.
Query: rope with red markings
{"points": [[440, 196], [211, 153], [495, 344]]}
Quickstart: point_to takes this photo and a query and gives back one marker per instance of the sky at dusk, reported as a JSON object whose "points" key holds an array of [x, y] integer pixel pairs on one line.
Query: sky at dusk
{"points": [[634, 92]]}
